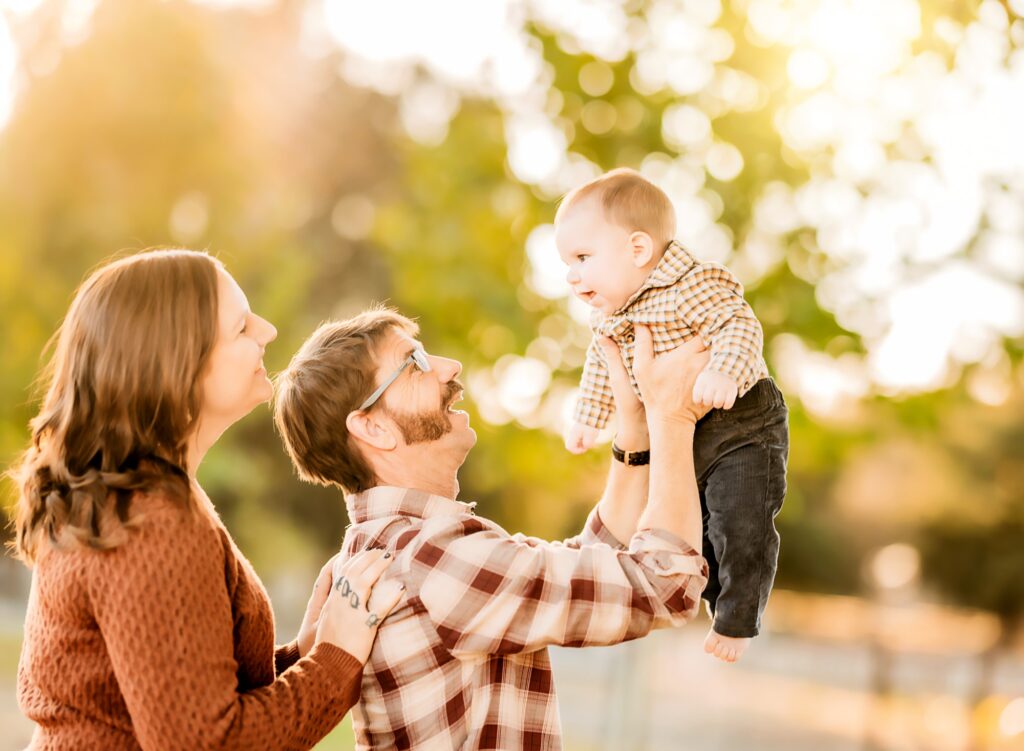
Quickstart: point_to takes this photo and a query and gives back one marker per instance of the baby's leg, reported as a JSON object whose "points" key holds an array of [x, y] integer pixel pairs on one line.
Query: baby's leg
{"points": [[743, 493], [712, 590]]}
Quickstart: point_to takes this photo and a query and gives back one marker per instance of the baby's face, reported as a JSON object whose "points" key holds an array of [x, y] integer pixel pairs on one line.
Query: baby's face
{"points": [[598, 253]]}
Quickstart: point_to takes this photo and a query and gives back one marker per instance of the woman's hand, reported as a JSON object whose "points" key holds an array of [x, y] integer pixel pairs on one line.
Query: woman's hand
{"points": [[357, 602], [311, 620], [667, 381], [632, 431]]}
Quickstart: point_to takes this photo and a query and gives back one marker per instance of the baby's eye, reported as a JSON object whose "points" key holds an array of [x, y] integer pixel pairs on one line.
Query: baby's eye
{"points": [[581, 259]]}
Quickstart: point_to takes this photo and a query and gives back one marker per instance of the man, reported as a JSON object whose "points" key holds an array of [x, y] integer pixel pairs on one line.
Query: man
{"points": [[461, 662]]}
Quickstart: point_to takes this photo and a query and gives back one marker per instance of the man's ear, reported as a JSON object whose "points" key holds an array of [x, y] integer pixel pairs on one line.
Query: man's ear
{"points": [[642, 247], [364, 427]]}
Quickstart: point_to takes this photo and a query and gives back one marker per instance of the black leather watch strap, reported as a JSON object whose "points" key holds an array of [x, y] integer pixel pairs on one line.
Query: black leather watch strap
{"points": [[631, 458]]}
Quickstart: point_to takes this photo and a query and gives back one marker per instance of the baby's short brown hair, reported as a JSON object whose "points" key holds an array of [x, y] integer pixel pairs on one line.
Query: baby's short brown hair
{"points": [[630, 200]]}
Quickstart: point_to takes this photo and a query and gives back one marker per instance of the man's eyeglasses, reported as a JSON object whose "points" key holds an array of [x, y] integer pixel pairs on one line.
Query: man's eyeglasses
{"points": [[417, 357]]}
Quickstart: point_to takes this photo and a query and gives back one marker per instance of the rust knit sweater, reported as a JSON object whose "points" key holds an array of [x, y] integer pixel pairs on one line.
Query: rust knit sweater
{"points": [[167, 642]]}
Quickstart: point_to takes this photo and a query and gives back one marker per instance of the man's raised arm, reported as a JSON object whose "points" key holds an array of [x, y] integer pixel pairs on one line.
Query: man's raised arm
{"points": [[489, 593]]}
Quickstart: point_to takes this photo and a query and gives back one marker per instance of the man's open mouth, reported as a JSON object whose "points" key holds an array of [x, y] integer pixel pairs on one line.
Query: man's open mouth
{"points": [[455, 399]]}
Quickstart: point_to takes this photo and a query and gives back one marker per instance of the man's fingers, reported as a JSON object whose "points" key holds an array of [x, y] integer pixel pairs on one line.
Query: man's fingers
{"points": [[616, 368], [611, 349], [643, 345], [693, 345]]}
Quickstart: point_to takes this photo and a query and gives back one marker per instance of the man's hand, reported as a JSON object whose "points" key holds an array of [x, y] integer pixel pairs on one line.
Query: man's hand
{"points": [[666, 381], [632, 430], [580, 438], [714, 389]]}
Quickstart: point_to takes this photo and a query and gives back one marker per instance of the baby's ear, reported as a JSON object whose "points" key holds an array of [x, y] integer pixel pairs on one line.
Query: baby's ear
{"points": [[642, 247]]}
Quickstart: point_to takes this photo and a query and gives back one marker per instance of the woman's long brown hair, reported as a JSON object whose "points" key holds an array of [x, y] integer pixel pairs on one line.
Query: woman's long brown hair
{"points": [[122, 397]]}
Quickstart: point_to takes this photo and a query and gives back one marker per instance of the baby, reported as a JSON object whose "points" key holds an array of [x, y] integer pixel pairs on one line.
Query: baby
{"points": [[615, 234]]}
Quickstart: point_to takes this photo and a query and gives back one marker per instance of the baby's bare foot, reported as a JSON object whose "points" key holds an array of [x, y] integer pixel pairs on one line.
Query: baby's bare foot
{"points": [[725, 648]]}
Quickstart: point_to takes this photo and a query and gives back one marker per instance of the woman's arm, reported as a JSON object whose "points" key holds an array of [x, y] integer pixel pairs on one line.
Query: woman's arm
{"points": [[163, 608], [285, 656]]}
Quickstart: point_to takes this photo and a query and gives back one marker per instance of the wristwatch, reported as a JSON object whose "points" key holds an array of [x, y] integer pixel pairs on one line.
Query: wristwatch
{"points": [[631, 458]]}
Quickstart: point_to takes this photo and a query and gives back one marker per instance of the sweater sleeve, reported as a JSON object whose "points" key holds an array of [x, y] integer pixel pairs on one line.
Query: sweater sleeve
{"points": [[162, 605], [285, 656]]}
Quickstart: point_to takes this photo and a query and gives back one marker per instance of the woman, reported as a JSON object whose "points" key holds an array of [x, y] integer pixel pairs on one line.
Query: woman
{"points": [[146, 626]]}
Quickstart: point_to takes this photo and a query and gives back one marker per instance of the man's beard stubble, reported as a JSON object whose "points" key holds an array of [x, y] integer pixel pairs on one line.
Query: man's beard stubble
{"points": [[432, 426]]}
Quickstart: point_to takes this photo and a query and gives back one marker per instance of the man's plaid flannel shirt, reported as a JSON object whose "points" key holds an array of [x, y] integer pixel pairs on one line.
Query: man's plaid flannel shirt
{"points": [[681, 298], [461, 663]]}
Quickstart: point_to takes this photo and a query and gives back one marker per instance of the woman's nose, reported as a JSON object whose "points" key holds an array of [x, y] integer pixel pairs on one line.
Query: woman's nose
{"points": [[268, 332]]}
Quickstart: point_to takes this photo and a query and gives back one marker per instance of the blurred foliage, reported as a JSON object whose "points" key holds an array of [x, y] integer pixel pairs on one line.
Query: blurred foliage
{"points": [[175, 124]]}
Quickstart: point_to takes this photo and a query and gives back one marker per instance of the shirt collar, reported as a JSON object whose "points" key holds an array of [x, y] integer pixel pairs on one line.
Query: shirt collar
{"points": [[387, 500]]}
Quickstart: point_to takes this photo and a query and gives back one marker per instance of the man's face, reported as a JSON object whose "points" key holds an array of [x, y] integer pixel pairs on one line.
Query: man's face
{"points": [[420, 404], [598, 254]]}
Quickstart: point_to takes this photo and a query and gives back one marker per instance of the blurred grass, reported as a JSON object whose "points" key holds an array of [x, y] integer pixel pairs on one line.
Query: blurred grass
{"points": [[339, 739]]}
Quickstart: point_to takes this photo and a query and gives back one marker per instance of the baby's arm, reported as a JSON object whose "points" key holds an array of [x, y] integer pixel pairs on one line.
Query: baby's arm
{"points": [[711, 301], [595, 404]]}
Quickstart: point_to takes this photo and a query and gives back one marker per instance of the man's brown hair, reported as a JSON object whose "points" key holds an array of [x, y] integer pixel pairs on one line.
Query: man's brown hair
{"points": [[329, 377], [629, 200]]}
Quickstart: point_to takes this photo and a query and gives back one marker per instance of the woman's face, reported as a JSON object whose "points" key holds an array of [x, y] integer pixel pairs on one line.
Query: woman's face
{"points": [[235, 380]]}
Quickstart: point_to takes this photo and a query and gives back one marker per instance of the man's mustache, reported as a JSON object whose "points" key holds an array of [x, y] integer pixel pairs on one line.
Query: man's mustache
{"points": [[454, 387]]}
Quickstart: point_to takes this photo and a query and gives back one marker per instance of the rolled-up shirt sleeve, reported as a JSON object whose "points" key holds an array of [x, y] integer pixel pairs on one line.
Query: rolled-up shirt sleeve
{"points": [[491, 593]]}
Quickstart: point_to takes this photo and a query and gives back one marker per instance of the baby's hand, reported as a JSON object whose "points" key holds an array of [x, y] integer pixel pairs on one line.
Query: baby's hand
{"points": [[580, 438], [715, 390]]}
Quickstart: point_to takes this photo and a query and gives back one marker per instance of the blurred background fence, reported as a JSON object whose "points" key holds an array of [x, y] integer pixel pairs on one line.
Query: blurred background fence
{"points": [[858, 163]]}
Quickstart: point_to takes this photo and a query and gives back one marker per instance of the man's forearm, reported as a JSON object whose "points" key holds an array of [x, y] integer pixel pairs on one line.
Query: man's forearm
{"points": [[673, 501], [625, 493]]}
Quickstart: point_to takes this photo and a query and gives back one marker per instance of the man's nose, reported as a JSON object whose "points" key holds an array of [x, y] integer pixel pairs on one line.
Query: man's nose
{"points": [[447, 369]]}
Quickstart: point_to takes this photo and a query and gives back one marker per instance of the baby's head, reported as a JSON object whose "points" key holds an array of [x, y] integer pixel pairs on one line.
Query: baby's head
{"points": [[611, 232]]}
